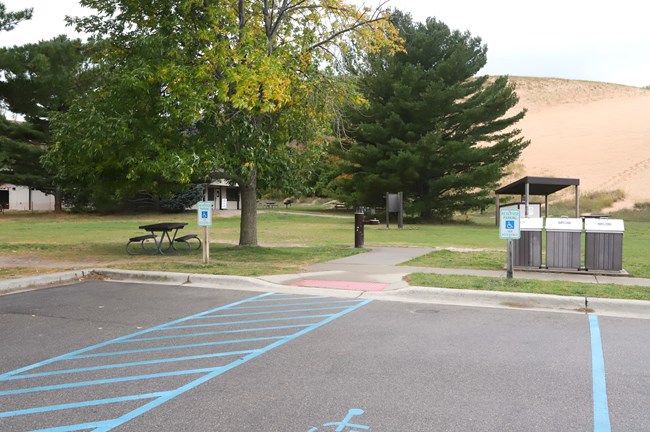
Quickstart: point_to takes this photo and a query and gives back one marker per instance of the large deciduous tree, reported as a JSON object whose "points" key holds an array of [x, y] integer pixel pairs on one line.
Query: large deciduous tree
{"points": [[432, 128], [200, 89]]}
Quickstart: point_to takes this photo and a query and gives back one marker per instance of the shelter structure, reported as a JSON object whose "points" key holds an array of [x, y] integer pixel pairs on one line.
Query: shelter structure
{"points": [[538, 186]]}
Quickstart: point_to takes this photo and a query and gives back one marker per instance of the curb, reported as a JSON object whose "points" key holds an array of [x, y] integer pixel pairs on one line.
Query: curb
{"points": [[26, 283], [411, 294], [499, 299]]}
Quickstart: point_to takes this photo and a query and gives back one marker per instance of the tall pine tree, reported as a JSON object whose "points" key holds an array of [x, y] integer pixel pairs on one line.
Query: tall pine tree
{"points": [[431, 128], [39, 80]]}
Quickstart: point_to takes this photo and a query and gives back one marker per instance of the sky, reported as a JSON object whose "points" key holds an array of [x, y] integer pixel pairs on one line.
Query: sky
{"points": [[593, 40]]}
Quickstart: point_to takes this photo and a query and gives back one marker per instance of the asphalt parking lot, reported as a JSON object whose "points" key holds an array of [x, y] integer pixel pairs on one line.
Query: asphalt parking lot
{"points": [[120, 356]]}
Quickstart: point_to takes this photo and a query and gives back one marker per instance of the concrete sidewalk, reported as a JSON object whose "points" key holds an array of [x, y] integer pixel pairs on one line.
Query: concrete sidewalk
{"points": [[383, 264]]}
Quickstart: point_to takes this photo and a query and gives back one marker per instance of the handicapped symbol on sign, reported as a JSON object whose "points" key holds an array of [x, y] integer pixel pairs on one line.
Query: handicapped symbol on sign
{"points": [[510, 224], [343, 425]]}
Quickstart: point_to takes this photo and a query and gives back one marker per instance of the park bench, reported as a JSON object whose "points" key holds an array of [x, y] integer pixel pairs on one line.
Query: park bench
{"points": [[189, 240], [139, 239]]}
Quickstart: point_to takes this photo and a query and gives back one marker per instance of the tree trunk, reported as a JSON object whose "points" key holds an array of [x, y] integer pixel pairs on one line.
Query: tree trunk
{"points": [[58, 201], [248, 226]]}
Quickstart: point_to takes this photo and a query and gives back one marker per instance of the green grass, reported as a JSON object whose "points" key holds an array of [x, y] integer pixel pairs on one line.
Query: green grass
{"points": [[233, 260], [580, 289], [485, 260], [289, 242]]}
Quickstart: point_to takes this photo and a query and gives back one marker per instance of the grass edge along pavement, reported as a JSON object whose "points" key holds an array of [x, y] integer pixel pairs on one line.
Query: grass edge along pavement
{"points": [[530, 286]]}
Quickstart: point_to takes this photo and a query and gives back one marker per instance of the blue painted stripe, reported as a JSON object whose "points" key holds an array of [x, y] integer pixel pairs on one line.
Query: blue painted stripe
{"points": [[217, 324], [292, 304], [187, 335], [153, 404], [91, 348], [162, 397], [272, 312], [253, 329], [601, 411], [130, 364], [174, 347], [95, 402], [285, 298], [109, 381], [75, 427]]}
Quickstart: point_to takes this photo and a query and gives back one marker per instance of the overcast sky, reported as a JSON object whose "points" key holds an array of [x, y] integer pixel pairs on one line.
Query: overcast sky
{"points": [[592, 40]]}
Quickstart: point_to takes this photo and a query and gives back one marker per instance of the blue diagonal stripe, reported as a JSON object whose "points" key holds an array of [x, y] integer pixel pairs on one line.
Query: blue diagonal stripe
{"points": [[94, 347]]}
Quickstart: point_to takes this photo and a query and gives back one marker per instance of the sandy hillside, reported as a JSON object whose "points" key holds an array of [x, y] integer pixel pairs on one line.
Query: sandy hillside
{"points": [[597, 132]]}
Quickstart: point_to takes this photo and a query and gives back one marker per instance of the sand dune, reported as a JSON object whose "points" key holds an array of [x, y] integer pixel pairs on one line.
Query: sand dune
{"points": [[597, 132]]}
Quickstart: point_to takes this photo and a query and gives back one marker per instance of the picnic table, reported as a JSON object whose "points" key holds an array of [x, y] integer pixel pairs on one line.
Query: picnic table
{"points": [[167, 230]]}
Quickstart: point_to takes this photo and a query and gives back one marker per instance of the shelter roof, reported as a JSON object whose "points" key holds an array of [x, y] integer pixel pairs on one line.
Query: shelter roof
{"points": [[537, 186]]}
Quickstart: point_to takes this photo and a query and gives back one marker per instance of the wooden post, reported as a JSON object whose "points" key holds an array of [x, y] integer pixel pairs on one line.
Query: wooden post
{"points": [[509, 264], [206, 245]]}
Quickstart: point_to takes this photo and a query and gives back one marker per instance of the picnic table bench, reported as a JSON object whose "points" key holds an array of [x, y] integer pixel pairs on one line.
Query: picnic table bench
{"points": [[165, 229]]}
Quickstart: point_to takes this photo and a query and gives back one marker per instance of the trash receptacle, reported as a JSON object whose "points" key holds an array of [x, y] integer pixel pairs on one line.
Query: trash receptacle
{"points": [[527, 251], [604, 244], [563, 242]]}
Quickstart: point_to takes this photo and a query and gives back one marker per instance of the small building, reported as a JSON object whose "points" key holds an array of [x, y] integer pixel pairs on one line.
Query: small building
{"points": [[223, 195], [24, 198]]}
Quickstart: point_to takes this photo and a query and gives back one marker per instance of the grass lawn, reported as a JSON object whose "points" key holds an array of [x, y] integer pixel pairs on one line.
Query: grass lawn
{"points": [[290, 239], [530, 286]]}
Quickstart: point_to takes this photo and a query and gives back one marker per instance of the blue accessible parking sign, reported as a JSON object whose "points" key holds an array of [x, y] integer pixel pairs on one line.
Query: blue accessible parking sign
{"points": [[204, 213], [509, 224]]}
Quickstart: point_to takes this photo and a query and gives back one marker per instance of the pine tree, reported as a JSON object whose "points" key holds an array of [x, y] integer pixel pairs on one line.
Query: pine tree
{"points": [[39, 81], [21, 147], [431, 128]]}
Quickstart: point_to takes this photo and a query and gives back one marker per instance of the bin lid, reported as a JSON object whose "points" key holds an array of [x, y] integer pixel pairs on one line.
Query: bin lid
{"points": [[564, 224], [604, 225], [531, 224]]}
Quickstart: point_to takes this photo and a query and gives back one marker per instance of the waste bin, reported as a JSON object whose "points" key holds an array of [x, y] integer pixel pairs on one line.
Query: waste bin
{"points": [[604, 244], [563, 242], [527, 251]]}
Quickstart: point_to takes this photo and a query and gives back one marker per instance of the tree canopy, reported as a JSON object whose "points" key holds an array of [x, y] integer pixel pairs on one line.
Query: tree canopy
{"points": [[193, 90], [39, 80], [8, 20], [432, 129]]}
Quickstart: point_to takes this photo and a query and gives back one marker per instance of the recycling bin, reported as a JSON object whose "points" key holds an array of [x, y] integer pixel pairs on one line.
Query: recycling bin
{"points": [[604, 244], [527, 251], [563, 242]]}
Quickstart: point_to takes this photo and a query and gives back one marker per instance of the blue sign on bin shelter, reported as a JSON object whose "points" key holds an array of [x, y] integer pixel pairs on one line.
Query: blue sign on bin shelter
{"points": [[509, 227]]}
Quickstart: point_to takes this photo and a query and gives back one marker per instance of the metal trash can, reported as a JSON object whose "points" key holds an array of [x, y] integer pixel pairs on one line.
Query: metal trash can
{"points": [[563, 242], [604, 244], [527, 251]]}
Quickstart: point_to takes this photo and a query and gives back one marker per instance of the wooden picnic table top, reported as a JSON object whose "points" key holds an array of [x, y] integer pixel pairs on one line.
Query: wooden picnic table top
{"points": [[163, 226]]}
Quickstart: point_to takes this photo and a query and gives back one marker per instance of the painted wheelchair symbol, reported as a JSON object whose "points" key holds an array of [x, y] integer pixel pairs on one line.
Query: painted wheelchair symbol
{"points": [[510, 224], [343, 425]]}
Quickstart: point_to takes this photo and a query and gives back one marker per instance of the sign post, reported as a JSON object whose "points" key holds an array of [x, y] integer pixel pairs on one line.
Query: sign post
{"points": [[204, 214], [510, 230]]}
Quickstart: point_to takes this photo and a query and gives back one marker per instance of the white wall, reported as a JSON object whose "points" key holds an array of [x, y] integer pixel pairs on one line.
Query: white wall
{"points": [[19, 199]]}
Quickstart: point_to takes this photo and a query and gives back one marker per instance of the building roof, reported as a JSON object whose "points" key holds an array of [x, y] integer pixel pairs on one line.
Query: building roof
{"points": [[537, 186]]}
